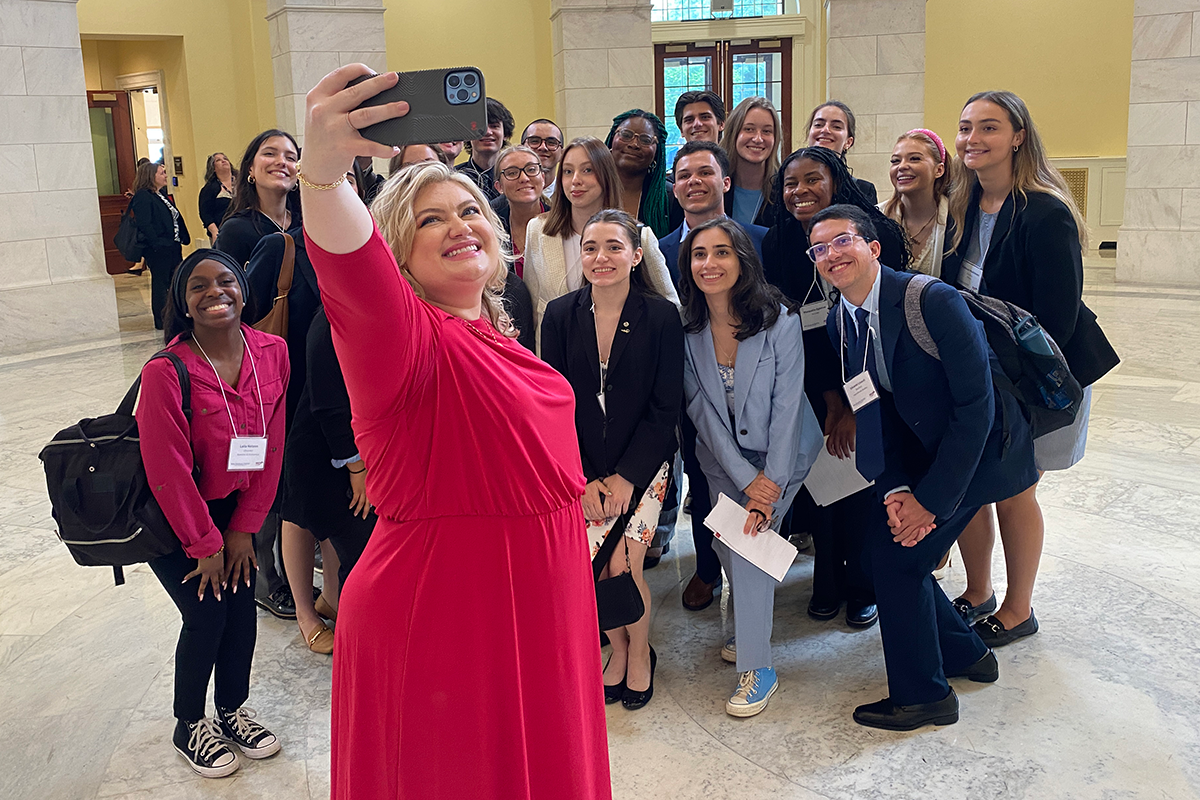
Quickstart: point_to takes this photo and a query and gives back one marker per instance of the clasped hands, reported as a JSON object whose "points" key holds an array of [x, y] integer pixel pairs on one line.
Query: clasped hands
{"points": [[762, 493], [606, 498], [227, 566], [908, 519]]}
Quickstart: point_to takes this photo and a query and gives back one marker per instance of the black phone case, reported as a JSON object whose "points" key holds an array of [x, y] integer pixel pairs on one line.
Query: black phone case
{"points": [[430, 118]]}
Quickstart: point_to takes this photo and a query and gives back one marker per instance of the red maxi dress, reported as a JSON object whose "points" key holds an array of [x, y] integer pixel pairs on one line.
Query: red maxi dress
{"points": [[466, 658]]}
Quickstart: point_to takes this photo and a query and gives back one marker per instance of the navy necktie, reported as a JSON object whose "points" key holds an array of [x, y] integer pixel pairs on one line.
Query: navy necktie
{"points": [[868, 449]]}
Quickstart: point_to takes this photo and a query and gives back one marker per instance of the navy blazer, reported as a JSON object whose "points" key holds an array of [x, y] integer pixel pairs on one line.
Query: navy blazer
{"points": [[941, 427], [771, 413], [669, 245], [1035, 261], [635, 433]]}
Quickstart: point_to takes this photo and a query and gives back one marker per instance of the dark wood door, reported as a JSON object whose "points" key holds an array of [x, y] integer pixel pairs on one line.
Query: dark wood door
{"points": [[116, 161]]}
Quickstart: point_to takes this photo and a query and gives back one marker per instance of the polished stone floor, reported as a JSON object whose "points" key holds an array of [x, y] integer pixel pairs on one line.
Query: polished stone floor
{"points": [[1103, 703]]}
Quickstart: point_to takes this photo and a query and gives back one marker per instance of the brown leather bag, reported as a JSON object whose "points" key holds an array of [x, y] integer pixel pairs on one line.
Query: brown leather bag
{"points": [[276, 320]]}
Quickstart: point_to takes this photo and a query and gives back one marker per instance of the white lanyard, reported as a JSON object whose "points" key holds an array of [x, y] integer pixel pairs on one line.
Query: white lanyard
{"points": [[246, 453], [860, 390], [812, 315], [870, 333]]}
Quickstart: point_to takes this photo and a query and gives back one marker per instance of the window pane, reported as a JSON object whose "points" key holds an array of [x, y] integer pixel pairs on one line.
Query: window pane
{"points": [[104, 150], [681, 74], [679, 10]]}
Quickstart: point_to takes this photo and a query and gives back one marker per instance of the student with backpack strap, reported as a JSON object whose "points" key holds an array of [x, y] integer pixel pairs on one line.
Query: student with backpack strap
{"points": [[235, 437], [1019, 238]]}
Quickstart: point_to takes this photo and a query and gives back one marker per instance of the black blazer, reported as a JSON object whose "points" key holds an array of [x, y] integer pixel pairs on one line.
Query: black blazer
{"points": [[1035, 261], [644, 391], [868, 190], [153, 219]]}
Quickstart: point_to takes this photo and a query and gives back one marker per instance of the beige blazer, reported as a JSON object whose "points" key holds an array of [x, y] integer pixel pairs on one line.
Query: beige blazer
{"points": [[545, 272]]}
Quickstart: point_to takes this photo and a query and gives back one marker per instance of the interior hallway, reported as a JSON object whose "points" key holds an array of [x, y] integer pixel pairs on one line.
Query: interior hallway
{"points": [[1103, 703]]}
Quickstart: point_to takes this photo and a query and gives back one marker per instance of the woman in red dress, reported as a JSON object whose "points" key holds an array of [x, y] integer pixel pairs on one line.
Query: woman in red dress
{"points": [[468, 662]]}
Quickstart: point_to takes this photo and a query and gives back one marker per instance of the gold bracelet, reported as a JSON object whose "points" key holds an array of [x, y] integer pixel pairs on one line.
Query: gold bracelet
{"points": [[220, 550], [320, 187]]}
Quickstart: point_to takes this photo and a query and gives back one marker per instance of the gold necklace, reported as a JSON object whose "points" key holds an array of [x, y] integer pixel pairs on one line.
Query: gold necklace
{"points": [[485, 335]]}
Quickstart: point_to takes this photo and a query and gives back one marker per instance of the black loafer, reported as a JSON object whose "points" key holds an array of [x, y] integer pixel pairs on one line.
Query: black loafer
{"points": [[985, 670], [279, 603], [862, 617], [994, 634], [635, 700], [823, 609], [892, 717], [972, 613], [613, 694]]}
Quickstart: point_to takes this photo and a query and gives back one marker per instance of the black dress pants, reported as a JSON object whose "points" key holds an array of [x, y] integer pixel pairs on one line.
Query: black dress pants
{"points": [[840, 533], [217, 635], [708, 566], [162, 262]]}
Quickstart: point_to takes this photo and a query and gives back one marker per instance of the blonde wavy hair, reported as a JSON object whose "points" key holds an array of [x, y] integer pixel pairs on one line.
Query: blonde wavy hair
{"points": [[733, 127], [1032, 170], [942, 187], [394, 212]]}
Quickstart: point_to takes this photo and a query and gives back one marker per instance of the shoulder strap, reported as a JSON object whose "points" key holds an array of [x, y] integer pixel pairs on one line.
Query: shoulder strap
{"points": [[185, 385], [287, 267], [914, 313]]}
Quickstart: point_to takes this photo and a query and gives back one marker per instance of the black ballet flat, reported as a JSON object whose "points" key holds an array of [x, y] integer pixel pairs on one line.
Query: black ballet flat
{"points": [[635, 700], [614, 694]]}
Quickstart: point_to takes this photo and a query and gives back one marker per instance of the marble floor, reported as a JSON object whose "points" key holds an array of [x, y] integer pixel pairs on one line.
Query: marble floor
{"points": [[1103, 703]]}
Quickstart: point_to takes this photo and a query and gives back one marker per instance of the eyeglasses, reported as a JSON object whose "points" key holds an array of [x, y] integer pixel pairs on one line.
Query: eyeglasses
{"points": [[512, 173], [819, 252], [626, 135], [538, 141]]}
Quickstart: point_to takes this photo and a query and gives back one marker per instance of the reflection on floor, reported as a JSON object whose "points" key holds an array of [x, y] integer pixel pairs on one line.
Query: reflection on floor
{"points": [[1103, 703]]}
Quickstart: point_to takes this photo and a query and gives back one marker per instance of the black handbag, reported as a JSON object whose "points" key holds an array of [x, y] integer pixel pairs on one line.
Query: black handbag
{"points": [[129, 240], [618, 599], [100, 498]]}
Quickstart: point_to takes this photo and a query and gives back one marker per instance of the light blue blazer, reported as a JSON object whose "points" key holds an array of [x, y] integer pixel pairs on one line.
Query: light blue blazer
{"points": [[773, 427]]}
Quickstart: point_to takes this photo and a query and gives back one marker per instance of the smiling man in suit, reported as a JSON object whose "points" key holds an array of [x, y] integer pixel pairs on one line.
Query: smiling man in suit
{"points": [[929, 433]]}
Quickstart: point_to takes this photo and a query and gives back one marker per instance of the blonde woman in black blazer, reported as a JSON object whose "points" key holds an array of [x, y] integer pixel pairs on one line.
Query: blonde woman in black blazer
{"points": [[620, 345]]}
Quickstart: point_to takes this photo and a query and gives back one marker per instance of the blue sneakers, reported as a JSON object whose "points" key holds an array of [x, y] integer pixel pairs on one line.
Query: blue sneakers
{"points": [[754, 690]]}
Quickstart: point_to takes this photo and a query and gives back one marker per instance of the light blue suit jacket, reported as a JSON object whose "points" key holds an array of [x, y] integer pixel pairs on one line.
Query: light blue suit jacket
{"points": [[773, 428]]}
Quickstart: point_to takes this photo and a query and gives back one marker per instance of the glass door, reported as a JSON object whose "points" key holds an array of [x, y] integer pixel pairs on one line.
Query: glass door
{"points": [[115, 162], [681, 68]]}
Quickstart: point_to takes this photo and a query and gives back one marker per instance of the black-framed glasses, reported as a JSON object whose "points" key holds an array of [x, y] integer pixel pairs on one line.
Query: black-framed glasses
{"points": [[512, 173], [626, 135], [538, 141], [819, 252]]}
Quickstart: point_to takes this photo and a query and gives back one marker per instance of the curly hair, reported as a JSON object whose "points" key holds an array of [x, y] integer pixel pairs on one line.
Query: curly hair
{"points": [[653, 209]]}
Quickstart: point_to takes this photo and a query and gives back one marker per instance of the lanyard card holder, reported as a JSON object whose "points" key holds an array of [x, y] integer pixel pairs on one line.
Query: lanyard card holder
{"points": [[860, 390], [813, 314]]}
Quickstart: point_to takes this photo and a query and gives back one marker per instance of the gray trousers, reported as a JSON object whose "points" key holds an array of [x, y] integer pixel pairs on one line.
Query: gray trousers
{"points": [[752, 591]]}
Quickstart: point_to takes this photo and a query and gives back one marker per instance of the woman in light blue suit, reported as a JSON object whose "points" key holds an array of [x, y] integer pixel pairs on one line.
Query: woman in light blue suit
{"points": [[758, 436]]}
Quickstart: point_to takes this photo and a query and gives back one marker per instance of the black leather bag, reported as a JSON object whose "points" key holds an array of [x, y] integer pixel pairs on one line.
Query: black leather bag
{"points": [[618, 599], [101, 501]]}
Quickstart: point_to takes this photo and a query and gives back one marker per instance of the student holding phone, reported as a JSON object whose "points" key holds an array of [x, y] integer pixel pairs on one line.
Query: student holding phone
{"points": [[468, 660]]}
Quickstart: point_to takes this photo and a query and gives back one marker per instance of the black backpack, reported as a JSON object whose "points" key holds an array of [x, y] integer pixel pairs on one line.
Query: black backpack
{"points": [[128, 239], [1032, 367], [102, 503]]}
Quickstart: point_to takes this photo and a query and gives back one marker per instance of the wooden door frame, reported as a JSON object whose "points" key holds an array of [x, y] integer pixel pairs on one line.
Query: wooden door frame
{"points": [[786, 89], [118, 101]]}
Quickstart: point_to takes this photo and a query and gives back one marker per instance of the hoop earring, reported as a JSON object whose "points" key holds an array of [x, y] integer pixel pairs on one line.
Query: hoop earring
{"points": [[250, 179], [1016, 149]]}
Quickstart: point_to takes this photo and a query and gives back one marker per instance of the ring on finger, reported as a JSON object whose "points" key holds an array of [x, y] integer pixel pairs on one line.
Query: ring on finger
{"points": [[348, 122]]}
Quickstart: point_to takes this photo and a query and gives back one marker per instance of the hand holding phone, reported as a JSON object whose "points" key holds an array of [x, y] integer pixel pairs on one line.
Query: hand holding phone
{"points": [[447, 105], [335, 114]]}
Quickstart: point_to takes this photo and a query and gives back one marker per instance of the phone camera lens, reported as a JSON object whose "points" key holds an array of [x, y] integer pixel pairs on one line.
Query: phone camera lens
{"points": [[453, 81], [462, 94], [469, 79]]}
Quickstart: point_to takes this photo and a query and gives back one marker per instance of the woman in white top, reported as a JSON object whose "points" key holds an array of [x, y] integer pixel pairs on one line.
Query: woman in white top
{"points": [[921, 178], [588, 182]]}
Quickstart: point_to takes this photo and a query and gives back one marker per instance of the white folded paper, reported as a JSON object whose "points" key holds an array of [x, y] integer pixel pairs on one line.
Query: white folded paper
{"points": [[832, 478], [768, 551]]}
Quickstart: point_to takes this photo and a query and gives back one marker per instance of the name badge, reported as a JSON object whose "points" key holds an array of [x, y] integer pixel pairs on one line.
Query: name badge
{"points": [[970, 276], [247, 454], [860, 391], [813, 315]]}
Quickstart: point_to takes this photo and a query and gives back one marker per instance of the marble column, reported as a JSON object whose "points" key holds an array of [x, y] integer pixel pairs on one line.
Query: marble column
{"points": [[875, 62], [603, 62], [311, 38], [1160, 236], [53, 286]]}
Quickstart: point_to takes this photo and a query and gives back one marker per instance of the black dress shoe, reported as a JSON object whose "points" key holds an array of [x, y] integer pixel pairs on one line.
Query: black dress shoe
{"points": [[824, 609], [635, 700], [650, 562], [994, 634], [972, 613], [862, 617], [892, 717], [279, 603], [613, 694], [985, 670]]}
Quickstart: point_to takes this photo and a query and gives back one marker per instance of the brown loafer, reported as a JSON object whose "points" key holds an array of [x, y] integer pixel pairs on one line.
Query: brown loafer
{"points": [[323, 608], [321, 640], [699, 595]]}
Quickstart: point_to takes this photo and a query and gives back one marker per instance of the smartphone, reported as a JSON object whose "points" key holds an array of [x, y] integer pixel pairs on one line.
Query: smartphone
{"points": [[445, 105]]}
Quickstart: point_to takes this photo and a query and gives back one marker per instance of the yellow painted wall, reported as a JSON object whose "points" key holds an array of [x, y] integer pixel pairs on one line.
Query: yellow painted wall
{"points": [[215, 56], [509, 42], [1068, 59]]}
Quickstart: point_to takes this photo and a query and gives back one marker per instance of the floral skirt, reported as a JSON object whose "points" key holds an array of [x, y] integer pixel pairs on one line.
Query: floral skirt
{"points": [[644, 521]]}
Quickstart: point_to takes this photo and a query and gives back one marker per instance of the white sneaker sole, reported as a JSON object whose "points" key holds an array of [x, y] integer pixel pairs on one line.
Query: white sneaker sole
{"points": [[752, 709], [729, 655], [210, 772]]}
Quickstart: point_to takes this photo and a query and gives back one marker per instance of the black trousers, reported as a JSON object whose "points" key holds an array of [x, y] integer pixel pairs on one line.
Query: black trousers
{"points": [[162, 262], [708, 566], [923, 636], [840, 533], [267, 544], [217, 635]]}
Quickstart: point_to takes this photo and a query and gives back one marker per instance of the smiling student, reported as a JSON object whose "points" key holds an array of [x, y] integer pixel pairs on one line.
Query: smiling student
{"points": [[700, 116], [480, 167], [751, 140], [831, 125], [920, 175]]}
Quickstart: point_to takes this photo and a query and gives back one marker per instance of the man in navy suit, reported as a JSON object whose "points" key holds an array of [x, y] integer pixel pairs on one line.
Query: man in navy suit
{"points": [[929, 433], [701, 181]]}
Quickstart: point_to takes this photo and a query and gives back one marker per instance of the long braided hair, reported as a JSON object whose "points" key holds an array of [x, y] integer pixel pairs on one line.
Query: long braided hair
{"points": [[653, 209], [893, 243]]}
